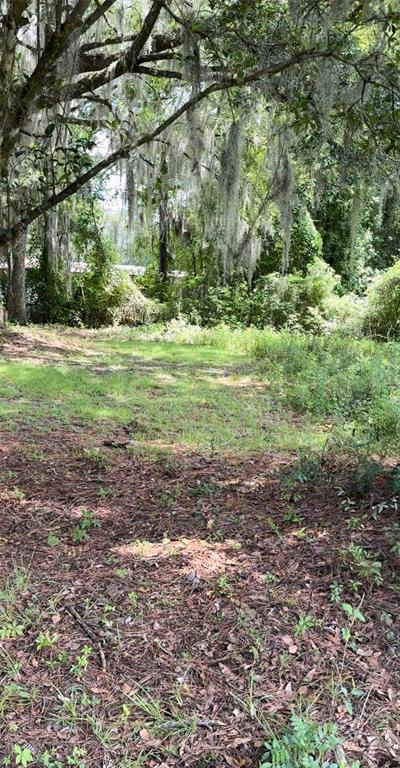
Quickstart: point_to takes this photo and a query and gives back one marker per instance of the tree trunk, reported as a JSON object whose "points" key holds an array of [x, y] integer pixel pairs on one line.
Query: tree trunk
{"points": [[16, 304], [163, 240], [163, 232]]}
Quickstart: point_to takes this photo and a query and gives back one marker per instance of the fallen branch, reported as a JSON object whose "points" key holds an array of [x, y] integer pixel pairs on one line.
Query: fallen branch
{"points": [[91, 633]]}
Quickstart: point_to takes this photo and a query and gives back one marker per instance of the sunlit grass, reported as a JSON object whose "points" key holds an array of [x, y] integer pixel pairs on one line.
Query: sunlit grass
{"points": [[198, 397], [222, 390]]}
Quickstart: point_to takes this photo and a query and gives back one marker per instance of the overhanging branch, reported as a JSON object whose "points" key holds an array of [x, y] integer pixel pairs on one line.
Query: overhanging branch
{"points": [[9, 235]]}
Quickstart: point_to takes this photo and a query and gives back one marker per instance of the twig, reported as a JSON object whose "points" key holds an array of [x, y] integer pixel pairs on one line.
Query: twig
{"points": [[91, 633]]}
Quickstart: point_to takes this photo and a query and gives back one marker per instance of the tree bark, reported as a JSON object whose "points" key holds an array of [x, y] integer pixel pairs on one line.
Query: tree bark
{"points": [[16, 304], [163, 222], [163, 239]]}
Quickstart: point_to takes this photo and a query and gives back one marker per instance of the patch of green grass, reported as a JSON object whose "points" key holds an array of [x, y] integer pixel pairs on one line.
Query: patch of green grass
{"points": [[202, 398], [216, 390]]}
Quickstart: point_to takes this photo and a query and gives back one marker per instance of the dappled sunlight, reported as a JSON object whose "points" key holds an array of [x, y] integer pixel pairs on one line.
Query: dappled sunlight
{"points": [[234, 382], [203, 558]]}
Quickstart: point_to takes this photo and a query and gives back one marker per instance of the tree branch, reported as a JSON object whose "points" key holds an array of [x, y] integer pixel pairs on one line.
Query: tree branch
{"points": [[10, 234], [123, 64], [97, 14], [48, 59]]}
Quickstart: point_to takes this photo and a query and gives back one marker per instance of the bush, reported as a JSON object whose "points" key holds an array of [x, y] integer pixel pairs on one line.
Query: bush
{"points": [[351, 384], [295, 301], [306, 241], [116, 300], [382, 319]]}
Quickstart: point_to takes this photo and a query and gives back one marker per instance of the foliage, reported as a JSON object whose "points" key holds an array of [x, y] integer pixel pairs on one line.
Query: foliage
{"points": [[112, 298], [295, 301], [382, 318], [303, 743]]}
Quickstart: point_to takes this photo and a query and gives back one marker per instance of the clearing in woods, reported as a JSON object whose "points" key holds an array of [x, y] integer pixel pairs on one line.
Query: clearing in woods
{"points": [[173, 581]]}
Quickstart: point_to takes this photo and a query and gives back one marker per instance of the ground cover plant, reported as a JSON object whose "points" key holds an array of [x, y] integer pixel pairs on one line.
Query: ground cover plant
{"points": [[191, 574]]}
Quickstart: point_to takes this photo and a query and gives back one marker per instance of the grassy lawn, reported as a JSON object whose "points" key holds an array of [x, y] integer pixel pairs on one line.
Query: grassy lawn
{"points": [[185, 569], [196, 397]]}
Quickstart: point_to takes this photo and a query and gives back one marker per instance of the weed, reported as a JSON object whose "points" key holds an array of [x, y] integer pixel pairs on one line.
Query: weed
{"points": [[303, 743], [46, 640], [304, 624], [49, 760], [75, 758], [104, 492], [23, 756], [273, 527], [10, 630], [270, 577], [353, 523], [393, 536], [96, 457], [133, 598], [202, 488], [363, 564], [291, 516], [354, 614], [86, 523], [336, 590], [348, 694], [81, 662], [122, 572]]}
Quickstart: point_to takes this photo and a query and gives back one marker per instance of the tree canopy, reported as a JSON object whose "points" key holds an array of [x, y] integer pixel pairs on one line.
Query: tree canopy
{"points": [[189, 95]]}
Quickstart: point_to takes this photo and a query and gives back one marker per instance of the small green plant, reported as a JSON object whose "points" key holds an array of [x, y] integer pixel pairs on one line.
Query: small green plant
{"points": [[104, 492], [336, 590], [78, 535], [10, 630], [75, 758], [52, 540], [363, 564], [354, 614], [273, 526], [125, 713], [49, 761], [223, 584], [303, 744], [133, 598], [96, 457], [393, 536], [353, 523], [122, 572], [46, 640], [270, 577], [17, 494], [348, 694], [86, 523], [291, 516], [23, 756], [81, 662], [202, 488], [304, 624]]}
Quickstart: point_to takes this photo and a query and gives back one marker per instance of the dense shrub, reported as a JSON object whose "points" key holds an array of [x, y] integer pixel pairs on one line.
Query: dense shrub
{"points": [[114, 299], [382, 319], [295, 301]]}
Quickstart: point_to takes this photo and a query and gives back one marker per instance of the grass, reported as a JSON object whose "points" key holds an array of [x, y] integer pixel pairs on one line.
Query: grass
{"points": [[197, 397], [232, 391]]}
